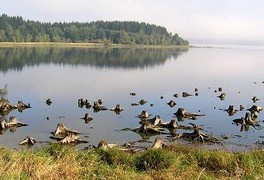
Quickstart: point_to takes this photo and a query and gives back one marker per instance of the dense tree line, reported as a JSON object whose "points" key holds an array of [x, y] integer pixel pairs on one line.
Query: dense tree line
{"points": [[16, 29]]}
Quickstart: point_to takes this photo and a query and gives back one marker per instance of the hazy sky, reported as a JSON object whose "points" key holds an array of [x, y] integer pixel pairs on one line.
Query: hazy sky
{"points": [[204, 21]]}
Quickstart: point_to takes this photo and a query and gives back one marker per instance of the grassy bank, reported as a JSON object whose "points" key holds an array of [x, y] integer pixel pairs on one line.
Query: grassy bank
{"points": [[87, 45], [175, 162]]}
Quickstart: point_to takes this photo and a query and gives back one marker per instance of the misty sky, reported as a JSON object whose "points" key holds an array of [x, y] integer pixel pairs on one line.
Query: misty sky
{"points": [[199, 21]]}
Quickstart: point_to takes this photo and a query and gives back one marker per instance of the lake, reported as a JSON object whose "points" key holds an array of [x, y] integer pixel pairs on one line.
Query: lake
{"points": [[64, 74]]}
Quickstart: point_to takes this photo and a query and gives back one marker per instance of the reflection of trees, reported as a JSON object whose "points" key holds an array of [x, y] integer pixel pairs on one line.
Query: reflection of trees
{"points": [[18, 57]]}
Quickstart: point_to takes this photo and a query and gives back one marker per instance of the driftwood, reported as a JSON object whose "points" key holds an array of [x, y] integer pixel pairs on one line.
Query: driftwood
{"points": [[98, 106], [222, 96], [22, 106], [85, 103], [62, 131], [159, 143], [65, 135], [28, 141], [247, 121], [147, 128], [72, 138], [129, 147], [172, 103], [144, 115], [6, 106], [254, 109], [231, 110], [13, 122], [185, 94], [117, 109], [241, 108], [156, 121], [197, 135], [87, 118], [175, 95], [142, 102], [255, 99], [182, 113]]}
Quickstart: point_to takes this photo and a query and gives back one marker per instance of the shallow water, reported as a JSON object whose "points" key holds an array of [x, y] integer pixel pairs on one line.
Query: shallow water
{"points": [[66, 74]]}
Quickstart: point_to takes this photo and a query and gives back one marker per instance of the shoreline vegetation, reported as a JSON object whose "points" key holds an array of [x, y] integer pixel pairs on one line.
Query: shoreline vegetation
{"points": [[173, 162], [16, 29], [87, 45]]}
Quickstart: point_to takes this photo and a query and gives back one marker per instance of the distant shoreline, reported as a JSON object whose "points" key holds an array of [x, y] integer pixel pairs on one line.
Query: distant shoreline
{"points": [[86, 45]]}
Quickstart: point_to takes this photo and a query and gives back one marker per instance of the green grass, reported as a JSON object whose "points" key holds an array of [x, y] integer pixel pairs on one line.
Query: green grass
{"points": [[175, 162]]}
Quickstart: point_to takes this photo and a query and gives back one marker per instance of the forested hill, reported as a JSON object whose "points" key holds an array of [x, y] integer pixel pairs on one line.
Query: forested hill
{"points": [[16, 29]]}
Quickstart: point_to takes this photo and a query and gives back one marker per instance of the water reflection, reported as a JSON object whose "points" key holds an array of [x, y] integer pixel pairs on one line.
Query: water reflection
{"points": [[19, 57], [120, 76]]}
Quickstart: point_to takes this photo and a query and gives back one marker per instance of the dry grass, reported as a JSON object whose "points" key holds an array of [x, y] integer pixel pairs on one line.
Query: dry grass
{"points": [[63, 162]]}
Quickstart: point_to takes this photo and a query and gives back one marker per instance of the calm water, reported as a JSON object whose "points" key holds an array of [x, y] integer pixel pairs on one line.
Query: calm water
{"points": [[67, 74]]}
